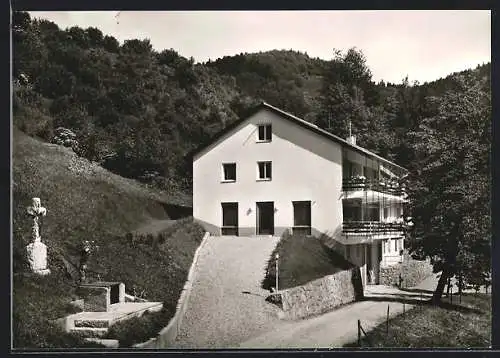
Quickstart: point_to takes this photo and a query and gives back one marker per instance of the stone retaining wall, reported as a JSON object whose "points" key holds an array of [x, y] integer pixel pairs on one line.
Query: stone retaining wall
{"points": [[412, 272], [322, 295]]}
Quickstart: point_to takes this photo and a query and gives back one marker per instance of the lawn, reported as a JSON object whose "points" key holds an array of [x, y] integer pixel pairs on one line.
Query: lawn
{"points": [[302, 259], [459, 325], [86, 202]]}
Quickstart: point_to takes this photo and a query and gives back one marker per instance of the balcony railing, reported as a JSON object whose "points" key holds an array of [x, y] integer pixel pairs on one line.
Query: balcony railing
{"points": [[371, 227], [379, 185]]}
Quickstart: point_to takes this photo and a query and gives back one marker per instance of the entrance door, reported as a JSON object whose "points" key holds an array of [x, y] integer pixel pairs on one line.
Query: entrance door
{"points": [[369, 265], [302, 217], [265, 218], [229, 219]]}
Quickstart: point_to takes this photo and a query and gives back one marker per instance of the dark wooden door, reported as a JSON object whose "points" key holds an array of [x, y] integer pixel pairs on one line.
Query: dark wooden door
{"points": [[265, 218], [229, 219]]}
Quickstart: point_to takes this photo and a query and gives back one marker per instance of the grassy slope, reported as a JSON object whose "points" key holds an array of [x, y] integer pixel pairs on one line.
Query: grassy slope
{"points": [[302, 259], [86, 202], [464, 325]]}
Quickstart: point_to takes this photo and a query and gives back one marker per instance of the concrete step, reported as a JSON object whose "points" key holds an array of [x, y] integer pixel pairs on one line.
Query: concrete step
{"points": [[92, 323], [87, 332], [108, 343]]}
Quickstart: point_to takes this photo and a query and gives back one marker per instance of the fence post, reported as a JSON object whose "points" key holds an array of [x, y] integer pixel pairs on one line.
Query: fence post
{"points": [[277, 272], [387, 322], [460, 287], [359, 333]]}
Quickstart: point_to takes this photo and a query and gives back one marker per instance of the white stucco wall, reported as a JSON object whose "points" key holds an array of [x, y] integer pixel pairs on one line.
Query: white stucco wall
{"points": [[305, 166]]}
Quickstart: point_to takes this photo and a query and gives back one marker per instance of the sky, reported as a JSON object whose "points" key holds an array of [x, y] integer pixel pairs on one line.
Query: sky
{"points": [[423, 45]]}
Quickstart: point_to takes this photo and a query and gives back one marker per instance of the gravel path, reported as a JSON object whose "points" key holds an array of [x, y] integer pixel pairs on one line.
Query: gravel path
{"points": [[227, 304]]}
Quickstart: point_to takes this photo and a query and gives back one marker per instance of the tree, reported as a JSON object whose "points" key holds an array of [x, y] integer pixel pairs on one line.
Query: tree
{"points": [[56, 81], [449, 184], [343, 95], [29, 52]]}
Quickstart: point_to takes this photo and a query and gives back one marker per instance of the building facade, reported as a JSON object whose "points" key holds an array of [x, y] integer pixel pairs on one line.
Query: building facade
{"points": [[272, 171]]}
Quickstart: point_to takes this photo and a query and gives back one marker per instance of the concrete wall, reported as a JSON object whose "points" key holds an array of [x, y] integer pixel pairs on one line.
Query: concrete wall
{"points": [[95, 299], [305, 166], [322, 295]]}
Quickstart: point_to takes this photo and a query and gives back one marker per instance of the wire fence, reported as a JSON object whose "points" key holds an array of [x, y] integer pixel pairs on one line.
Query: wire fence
{"points": [[368, 340]]}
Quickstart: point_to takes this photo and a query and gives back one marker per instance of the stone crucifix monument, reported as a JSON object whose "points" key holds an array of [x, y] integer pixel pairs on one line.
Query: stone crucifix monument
{"points": [[37, 250]]}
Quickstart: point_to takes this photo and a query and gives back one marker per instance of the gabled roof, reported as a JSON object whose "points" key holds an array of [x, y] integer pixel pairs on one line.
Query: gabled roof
{"points": [[302, 123]]}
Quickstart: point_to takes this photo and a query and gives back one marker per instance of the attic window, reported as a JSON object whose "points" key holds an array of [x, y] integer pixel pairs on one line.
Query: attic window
{"points": [[229, 172], [264, 133]]}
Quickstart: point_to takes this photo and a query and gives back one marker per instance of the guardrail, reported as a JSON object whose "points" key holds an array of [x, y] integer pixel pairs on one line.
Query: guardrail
{"points": [[354, 184], [370, 227]]}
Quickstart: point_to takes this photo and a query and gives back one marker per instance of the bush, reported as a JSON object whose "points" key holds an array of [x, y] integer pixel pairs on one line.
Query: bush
{"points": [[65, 137]]}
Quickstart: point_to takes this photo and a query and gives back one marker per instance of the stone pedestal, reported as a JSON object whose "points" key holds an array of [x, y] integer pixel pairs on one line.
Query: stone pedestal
{"points": [[37, 257]]}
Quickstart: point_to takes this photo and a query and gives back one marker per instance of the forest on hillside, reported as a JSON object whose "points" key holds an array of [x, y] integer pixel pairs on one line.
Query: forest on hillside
{"points": [[140, 112]]}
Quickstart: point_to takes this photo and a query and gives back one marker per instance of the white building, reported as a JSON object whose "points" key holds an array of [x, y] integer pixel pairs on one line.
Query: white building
{"points": [[271, 172]]}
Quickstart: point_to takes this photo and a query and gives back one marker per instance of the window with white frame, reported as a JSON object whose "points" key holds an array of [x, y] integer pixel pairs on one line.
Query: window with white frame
{"points": [[264, 170], [264, 133], [229, 172]]}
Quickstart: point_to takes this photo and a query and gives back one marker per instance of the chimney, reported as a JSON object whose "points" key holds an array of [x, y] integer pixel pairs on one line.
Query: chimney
{"points": [[351, 139]]}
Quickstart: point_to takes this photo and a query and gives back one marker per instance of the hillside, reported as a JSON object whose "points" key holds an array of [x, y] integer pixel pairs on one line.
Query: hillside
{"points": [[288, 79], [86, 202], [140, 112]]}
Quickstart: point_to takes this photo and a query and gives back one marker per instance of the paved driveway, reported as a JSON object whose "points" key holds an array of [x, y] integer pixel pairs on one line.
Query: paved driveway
{"points": [[227, 304]]}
